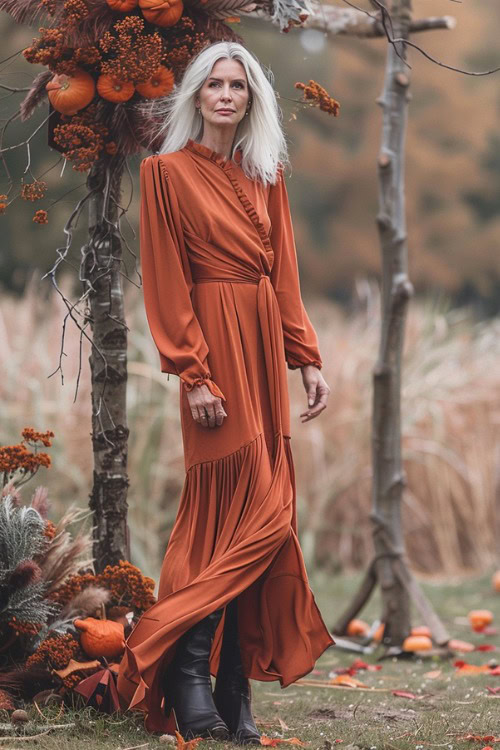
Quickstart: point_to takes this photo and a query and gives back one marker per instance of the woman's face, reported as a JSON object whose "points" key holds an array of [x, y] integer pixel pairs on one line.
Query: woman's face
{"points": [[224, 95]]}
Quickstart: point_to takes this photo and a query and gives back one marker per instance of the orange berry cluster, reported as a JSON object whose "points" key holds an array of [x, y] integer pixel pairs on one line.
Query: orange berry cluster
{"points": [[49, 530], [320, 97], [27, 628], [6, 701], [184, 41], [127, 584], [41, 217], [30, 435], [18, 458], [80, 144], [74, 12], [47, 49], [3, 203], [33, 191], [135, 55], [54, 652]]}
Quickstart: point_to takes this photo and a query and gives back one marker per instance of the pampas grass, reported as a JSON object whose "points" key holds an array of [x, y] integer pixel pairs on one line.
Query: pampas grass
{"points": [[451, 429]]}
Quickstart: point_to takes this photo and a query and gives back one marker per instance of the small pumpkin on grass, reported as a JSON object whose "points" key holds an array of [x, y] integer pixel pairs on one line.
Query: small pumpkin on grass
{"points": [[161, 83], [68, 94], [101, 637], [162, 12], [357, 627], [479, 619], [379, 633], [417, 643]]}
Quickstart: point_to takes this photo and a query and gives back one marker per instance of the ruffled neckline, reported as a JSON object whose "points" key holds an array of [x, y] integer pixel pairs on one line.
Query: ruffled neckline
{"points": [[227, 166], [213, 155]]}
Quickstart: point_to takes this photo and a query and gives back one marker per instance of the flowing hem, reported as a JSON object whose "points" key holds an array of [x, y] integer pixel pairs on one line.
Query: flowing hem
{"points": [[257, 558]]}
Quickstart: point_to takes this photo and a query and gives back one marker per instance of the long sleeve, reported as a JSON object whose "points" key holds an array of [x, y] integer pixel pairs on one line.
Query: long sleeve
{"points": [[167, 281], [301, 341]]}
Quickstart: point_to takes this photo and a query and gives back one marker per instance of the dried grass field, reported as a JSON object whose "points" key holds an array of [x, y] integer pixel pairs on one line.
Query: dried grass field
{"points": [[451, 429]]}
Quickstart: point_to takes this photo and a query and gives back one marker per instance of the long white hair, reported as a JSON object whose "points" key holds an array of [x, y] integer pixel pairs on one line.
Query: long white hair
{"points": [[259, 134]]}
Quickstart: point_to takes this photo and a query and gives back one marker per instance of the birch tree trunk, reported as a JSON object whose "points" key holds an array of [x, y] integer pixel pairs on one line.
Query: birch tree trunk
{"points": [[108, 365]]}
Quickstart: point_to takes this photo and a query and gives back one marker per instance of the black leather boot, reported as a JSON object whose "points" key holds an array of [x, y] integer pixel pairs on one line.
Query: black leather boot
{"points": [[187, 684], [232, 694]]}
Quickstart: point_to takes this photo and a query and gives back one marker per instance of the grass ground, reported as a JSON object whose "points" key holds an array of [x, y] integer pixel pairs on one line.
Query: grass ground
{"points": [[447, 708]]}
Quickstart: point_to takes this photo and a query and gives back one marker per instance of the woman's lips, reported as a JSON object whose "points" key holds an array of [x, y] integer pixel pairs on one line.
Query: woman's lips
{"points": [[225, 111]]}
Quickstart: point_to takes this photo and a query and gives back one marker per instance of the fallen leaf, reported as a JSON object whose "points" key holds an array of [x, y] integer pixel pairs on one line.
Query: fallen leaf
{"points": [[495, 671], [486, 647], [182, 744], [464, 668], [348, 681], [274, 741], [433, 675], [283, 726], [495, 690], [404, 694], [77, 666]]}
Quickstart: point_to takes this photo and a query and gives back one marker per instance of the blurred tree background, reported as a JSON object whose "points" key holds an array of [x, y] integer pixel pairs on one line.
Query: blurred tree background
{"points": [[451, 381], [452, 167]]}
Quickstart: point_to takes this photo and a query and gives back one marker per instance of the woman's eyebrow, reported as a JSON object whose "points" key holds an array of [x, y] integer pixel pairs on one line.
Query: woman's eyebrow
{"points": [[212, 78]]}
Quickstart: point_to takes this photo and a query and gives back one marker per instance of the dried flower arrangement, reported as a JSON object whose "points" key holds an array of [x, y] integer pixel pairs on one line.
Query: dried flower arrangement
{"points": [[59, 620]]}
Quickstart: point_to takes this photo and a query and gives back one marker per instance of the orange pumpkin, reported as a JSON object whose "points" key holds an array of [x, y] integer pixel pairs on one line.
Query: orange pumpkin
{"points": [[480, 618], [162, 12], [160, 84], [113, 89], [122, 6], [101, 637], [70, 93], [464, 646], [495, 581], [421, 630], [357, 627], [379, 633], [417, 643]]}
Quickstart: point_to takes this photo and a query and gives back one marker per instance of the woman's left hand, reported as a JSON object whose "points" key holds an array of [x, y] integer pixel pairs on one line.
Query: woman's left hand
{"points": [[317, 391]]}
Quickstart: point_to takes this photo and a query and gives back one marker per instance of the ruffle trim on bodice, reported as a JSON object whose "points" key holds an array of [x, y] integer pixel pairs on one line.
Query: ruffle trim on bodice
{"points": [[228, 166], [249, 208]]}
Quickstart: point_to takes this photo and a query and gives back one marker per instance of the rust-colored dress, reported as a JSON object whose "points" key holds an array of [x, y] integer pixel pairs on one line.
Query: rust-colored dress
{"points": [[222, 297]]}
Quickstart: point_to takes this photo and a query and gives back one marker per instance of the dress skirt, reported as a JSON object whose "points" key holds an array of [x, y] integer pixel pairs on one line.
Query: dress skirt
{"points": [[219, 317]]}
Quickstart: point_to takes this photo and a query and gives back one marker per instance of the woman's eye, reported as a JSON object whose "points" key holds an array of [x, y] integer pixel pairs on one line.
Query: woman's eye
{"points": [[216, 83]]}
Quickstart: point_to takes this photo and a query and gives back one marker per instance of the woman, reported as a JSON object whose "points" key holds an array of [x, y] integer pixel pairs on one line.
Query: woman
{"points": [[223, 302]]}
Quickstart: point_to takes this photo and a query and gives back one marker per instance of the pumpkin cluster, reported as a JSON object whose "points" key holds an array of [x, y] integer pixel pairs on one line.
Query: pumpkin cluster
{"points": [[102, 56]]}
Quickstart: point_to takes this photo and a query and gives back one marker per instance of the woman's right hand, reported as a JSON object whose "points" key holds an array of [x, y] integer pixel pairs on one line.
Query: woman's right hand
{"points": [[206, 408]]}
